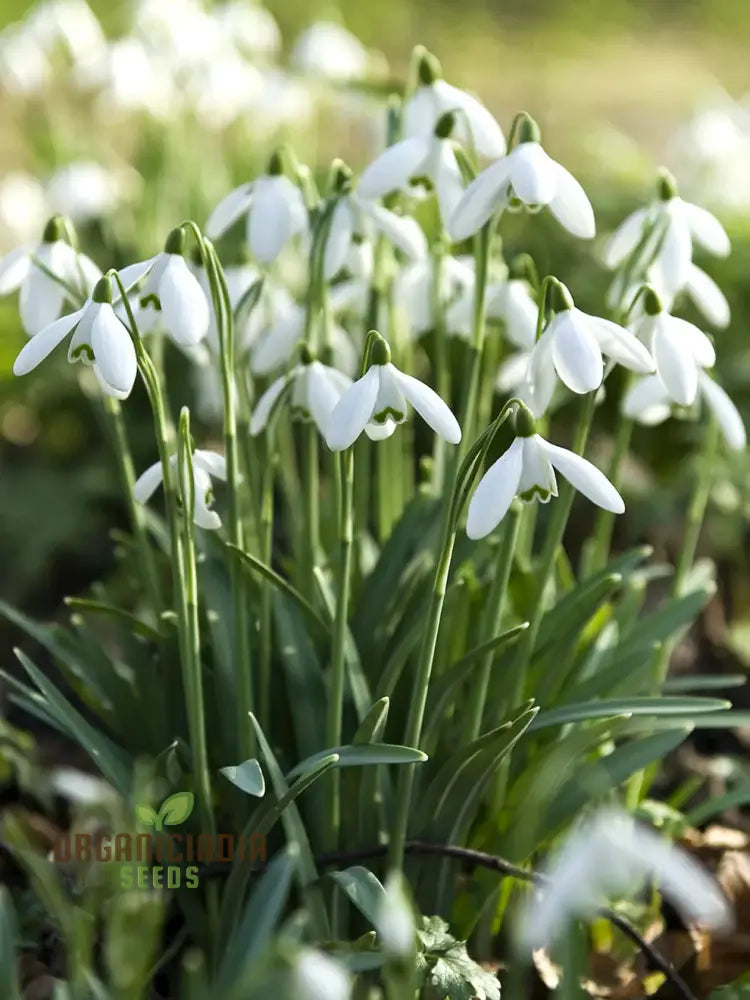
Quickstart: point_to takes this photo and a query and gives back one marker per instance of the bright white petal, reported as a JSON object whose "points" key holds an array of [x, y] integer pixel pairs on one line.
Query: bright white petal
{"points": [[229, 208], [708, 297], [132, 274], [541, 375], [585, 477], [512, 371], [114, 351], [706, 230], [353, 411], [486, 134], [214, 464], [726, 413], [203, 516], [13, 269], [647, 401], [675, 254], [421, 112], [576, 353], [621, 345], [325, 387], [403, 231], [571, 206], [40, 301], [276, 345], [675, 363], [533, 174], [431, 407], [270, 221], [44, 342], [394, 167], [625, 238], [183, 303], [694, 341], [339, 239], [448, 180], [494, 494], [147, 483], [379, 432], [263, 407], [481, 199]]}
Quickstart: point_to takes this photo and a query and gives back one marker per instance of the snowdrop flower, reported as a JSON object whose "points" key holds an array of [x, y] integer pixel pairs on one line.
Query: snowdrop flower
{"points": [[315, 391], [354, 216], [509, 300], [318, 977], [85, 190], [99, 339], [239, 278], [678, 225], [24, 67], [71, 22], [275, 212], [527, 471], [572, 346], [413, 291], [608, 856], [428, 156], [394, 920], [251, 27], [475, 126], [173, 290], [376, 404], [275, 345], [527, 176], [329, 50], [23, 208], [648, 402], [206, 465], [679, 349], [41, 298], [218, 90]]}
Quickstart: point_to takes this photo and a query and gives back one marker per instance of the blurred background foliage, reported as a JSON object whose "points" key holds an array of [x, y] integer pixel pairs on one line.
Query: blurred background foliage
{"points": [[613, 84]]}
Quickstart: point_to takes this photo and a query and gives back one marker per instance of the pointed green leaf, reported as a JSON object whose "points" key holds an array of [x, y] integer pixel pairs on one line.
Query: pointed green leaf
{"points": [[363, 889], [361, 755], [247, 776], [626, 706]]}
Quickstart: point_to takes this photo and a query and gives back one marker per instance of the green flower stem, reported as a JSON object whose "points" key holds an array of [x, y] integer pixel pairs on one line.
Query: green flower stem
{"points": [[135, 509], [601, 541], [338, 657], [470, 404], [441, 360], [266, 534], [493, 619], [311, 475]]}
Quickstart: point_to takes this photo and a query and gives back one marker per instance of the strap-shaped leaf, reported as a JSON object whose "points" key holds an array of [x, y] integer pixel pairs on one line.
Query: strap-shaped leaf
{"points": [[361, 888], [361, 755], [626, 706]]}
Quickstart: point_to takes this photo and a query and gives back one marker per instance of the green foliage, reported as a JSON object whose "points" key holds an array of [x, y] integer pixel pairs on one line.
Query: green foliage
{"points": [[450, 973]]}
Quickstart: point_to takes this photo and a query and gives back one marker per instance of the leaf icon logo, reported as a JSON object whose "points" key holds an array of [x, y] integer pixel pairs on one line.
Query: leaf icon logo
{"points": [[173, 811]]}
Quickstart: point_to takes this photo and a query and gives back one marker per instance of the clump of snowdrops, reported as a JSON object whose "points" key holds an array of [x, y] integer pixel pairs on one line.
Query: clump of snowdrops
{"points": [[355, 627]]}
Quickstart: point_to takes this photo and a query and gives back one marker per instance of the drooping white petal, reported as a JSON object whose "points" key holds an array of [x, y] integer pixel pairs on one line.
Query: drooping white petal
{"points": [[571, 206], [228, 210], [40, 301], [675, 255], [184, 305], [421, 112], [625, 238], [726, 413], [211, 462], [576, 353], [585, 477], [494, 494], [339, 239], [379, 432], [44, 342], [647, 401], [203, 516], [512, 371], [353, 410], [538, 480], [708, 297], [276, 345], [318, 977], [394, 167], [429, 405], [13, 269], [518, 310], [113, 351], [403, 231], [621, 345], [263, 407], [533, 174], [148, 482], [89, 271], [486, 134], [675, 362], [132, 274], [695, 341], [706, 230], [325, 387], [481, 199], [541, 374], [448, 180], [270, 221]]}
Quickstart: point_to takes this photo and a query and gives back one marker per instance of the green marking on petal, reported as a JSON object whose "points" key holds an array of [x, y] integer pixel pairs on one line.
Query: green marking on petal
{"points": [[383, 415]]}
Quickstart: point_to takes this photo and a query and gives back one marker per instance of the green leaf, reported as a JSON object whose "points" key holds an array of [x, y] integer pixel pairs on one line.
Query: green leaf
{"points": [[626, 706], [573, 610], [704, 682], [451, 973], [371, 727], [247, 776], [738, 990], [146, 815], [361, 755], [358, 685], [363, 889], [9, 985], [140, 628], [176, 808]]}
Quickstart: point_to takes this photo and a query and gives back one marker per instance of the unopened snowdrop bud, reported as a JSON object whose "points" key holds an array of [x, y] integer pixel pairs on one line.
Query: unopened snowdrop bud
{"points": [[526, 176], [475, 126], [376, 404], [610, 855], [318, 977], [206, 465], [572, 348], [527, 471], [395, 919]]}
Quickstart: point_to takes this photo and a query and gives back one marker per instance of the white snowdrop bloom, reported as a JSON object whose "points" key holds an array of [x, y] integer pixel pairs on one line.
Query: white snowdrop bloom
{"points": [[707, 297], [413, 292], [329, 50], [71, 22], [315, 390], [394, 920], [275, 212], [218, 91], [239, 278], [376, 404], [275, 345], [23, 209], [475, 126], [251, 27], [130, 79], [182, 31], [509, 300], [679, 349], [173, 290], [99, 339], [42, 298], [284, 101], [528, 177], [607, 856], [572, 347], [648, 402], [24, 67], [677, 225], [354, 217], [318, 977], [85, 190], [420, 157], [207, 465], [527, 471]]}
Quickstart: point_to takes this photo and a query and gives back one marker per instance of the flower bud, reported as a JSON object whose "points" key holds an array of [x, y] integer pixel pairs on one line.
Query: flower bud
{"points": [[666, 186], [559, 298], [175, 242], [102, 290], [524, 424], [55, 229], [380, 352], [428, 68], [651, 301], [528, 130]]}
